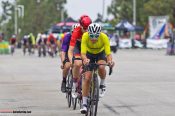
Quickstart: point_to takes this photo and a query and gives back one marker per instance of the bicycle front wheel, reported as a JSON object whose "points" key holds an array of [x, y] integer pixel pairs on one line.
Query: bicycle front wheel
{"points": [[94, 96], [69, 83]]}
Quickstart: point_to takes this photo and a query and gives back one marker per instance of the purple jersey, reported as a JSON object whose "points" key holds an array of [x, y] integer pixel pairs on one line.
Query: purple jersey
{"points": [[65, 43]]}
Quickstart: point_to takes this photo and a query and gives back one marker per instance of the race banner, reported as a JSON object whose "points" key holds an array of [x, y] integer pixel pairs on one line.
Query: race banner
{"points": [[157, 26]]}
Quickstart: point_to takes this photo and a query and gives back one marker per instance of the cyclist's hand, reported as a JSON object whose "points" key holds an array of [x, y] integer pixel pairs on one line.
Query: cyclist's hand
{"points": [[62, 66], [86, 61], [111, 64]]}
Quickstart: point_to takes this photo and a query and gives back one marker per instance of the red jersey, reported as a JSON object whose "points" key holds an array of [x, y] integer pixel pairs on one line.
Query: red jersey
{"points": [[51, 39], [76, 36], [12, 40]]}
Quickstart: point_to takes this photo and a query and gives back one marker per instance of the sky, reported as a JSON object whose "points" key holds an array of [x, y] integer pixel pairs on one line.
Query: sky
{"points": [[76, 8]]}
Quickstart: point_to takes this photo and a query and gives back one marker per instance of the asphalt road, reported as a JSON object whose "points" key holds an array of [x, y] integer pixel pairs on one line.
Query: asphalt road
{"points": [[142, 84]]}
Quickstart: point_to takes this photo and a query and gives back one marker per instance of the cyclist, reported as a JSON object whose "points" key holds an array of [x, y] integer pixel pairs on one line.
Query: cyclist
{"points": [[13, 43], [41, 44], [52, 44], [31, 43], [95, 47], [24, 42], [64, 57], [74, 49]]}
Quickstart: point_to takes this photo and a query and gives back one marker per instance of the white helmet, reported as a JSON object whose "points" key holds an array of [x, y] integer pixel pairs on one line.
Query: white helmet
{"points": [[94, 29], [75, 26]]}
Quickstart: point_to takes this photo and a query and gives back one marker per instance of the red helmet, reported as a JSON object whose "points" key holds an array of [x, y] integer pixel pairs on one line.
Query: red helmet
{"points": [[85, 21]]}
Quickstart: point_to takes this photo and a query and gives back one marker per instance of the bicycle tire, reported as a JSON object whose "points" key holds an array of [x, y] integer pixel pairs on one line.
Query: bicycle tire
{"points": [[74, 103], [69, 88], [94, 97]]}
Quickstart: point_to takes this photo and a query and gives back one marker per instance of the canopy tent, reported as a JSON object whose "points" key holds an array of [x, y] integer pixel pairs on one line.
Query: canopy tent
{"points": [[55, 29], [67, 22], [107, 26], [66, 25], [124, 25], [138, 28]]}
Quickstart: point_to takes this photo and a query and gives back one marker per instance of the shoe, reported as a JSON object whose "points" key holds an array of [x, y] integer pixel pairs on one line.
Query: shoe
{"points": [[83, 110], [74, 91], [63, 87], [102, 90]]}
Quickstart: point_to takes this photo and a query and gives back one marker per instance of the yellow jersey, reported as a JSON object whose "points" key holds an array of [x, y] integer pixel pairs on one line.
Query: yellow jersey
{"points": [[101, 44]]}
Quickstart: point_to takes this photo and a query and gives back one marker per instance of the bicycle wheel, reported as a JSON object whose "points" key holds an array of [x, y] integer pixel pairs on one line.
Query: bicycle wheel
{"points": [[69, 88], [74, 103], [94, 97], [12, 50]]}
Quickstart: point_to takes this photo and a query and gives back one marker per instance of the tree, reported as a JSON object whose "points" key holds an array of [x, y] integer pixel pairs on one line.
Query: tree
{"points": [[38, 16], [122, 9], [160, 8]]}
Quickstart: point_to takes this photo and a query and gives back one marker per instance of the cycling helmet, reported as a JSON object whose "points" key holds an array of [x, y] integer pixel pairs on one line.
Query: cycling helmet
{"points": [[85, 21], [75, 26], [94, 30], [13, 36]]}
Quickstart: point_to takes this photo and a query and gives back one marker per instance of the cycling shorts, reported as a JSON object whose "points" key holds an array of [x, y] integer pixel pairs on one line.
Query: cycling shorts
{"points": [[95, 58]]}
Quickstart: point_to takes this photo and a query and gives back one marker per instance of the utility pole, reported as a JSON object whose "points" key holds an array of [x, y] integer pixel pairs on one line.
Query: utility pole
{"points": [[16, 19], [103, 9], [134, 12]]}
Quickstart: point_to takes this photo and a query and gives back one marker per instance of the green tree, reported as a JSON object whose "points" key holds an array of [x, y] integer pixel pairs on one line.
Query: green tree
{"points": [[38, 16], [159, 8], [122, 9]]}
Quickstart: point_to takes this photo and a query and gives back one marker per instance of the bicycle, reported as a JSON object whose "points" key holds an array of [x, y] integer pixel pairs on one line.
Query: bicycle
{"points": [[78, 89], [93, 98], [69, 84]]}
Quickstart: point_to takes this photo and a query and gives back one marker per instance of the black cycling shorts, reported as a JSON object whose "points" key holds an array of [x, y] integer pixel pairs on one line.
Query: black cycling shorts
{"points": [[94, 58]]}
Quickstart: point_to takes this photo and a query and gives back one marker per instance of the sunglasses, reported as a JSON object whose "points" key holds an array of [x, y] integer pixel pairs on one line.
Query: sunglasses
{"points": [[94, 36]]}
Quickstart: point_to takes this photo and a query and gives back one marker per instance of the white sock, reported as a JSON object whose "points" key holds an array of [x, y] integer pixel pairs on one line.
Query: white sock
{"points": [[74, 84], [102, 82], [85, 100]]}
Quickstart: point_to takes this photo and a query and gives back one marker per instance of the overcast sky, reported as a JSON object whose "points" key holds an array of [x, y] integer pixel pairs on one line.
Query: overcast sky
{"points": [[76, 8], [90, 7]]}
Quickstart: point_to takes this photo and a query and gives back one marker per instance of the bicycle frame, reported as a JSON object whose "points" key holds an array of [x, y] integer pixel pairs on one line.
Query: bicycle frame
{"points": [[94, 90]]}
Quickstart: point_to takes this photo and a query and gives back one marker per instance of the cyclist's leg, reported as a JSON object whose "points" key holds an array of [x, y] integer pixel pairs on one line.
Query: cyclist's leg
{"points": [[65, 73], [76, 73], [102, 73], [86, 84]]}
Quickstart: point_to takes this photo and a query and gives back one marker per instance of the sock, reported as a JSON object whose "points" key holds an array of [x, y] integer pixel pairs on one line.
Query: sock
{"points": [[75, 80], [64, 79], [102, 82], [85, 100]]}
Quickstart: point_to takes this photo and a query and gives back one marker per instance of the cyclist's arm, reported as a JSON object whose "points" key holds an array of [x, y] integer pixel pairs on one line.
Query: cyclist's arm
{"points": [[107, 48], [70, 53], [72, 45], [62, 56], [106, 45], [109, 58], [64, 47]]}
